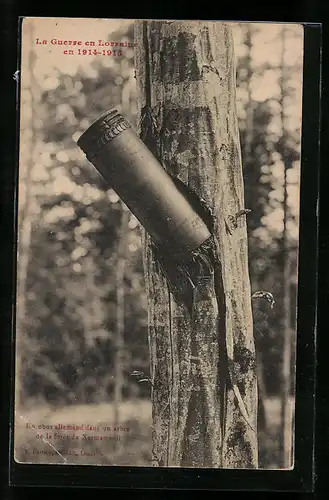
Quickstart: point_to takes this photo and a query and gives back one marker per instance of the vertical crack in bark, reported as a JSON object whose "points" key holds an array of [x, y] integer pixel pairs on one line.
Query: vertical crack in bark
{"points": [[148, 86]]}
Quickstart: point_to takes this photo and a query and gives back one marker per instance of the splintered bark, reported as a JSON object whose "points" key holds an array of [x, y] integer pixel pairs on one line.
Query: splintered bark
{"points": [[204, 388]]}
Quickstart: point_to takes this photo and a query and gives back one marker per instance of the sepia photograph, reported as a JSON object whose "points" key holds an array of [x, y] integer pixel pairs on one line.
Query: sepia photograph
{"points": [[158, 234]]}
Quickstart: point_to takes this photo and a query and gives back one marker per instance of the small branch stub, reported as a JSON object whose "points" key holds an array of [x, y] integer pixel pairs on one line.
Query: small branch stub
{"points": [[232, 220]]}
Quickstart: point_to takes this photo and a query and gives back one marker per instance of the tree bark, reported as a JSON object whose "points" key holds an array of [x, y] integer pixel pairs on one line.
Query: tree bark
{"points": [[203, 369]]}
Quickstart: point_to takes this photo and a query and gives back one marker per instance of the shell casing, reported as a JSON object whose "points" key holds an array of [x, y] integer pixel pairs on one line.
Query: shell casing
{"points": [[142, 183]]}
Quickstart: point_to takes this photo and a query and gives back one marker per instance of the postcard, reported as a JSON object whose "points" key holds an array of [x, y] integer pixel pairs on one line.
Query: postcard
{"points": [[158, 237]]}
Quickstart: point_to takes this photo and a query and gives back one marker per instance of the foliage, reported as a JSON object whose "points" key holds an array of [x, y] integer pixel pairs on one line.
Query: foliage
{"points": [[266, 152], [71, 281]]}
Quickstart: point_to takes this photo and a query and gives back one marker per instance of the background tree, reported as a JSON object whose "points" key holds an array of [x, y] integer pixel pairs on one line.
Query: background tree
{"points": [[27, 211], [287, 150]]}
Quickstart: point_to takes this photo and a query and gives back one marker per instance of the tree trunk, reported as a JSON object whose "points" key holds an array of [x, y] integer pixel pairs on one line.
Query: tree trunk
{"points": [[204, 386], [26, 212], [248, 160], [286, 407]]}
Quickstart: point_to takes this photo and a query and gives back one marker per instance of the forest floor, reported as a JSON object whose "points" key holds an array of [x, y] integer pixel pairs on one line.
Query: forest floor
{"points": [[126, 434]]}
